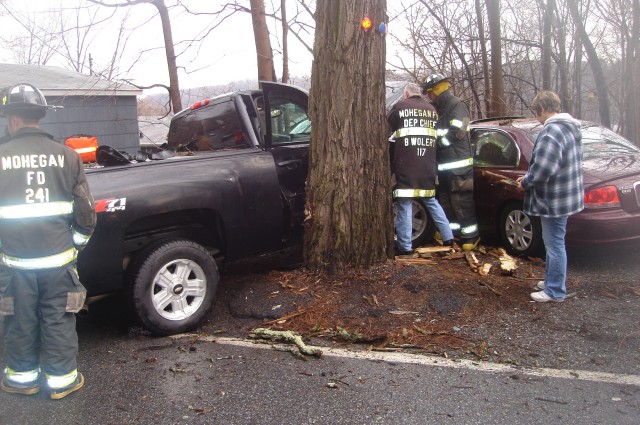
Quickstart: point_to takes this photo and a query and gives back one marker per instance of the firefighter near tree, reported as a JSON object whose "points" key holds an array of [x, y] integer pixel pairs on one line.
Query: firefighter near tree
{"points": [[47, 214], [455, 160]]}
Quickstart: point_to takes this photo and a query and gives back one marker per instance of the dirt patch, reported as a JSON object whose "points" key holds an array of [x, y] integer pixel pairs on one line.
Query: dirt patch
{"points": [[440, 307]]}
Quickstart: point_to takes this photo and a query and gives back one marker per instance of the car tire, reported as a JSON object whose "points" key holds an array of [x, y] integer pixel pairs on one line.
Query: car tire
{"points": [[423, 227], [520, 234], [173, 286]]}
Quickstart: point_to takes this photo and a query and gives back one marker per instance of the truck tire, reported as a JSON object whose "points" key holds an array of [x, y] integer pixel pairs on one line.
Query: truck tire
{"points": [[520, 233], [173, 286]]}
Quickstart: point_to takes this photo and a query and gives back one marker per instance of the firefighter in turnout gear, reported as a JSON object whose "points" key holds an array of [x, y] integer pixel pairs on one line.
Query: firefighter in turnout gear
{"points": [[455, 160], [47, 214], [412, 120]]}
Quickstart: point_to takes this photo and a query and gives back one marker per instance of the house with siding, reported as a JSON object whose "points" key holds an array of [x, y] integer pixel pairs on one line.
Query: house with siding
{"points": [[86, 104]]}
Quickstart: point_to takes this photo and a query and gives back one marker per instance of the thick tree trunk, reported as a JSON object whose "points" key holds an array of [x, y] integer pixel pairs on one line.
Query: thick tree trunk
{"points": [[266, 70], [174, 85], [349, 218], [498, 104]]}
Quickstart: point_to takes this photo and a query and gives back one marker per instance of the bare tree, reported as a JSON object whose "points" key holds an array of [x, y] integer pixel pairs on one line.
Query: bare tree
{"points": [[482, 39], [545, 63], [349, 220], [594, 62], [174, 85], [266, 71], [285, 42], [498, 105]]}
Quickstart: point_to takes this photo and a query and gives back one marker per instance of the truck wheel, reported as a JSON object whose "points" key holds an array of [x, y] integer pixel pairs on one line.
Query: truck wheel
{"points": [[520, 234], [173, 286]]}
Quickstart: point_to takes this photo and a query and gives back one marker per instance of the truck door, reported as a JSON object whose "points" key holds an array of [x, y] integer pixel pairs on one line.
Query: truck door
{"points": [[287, 131]]}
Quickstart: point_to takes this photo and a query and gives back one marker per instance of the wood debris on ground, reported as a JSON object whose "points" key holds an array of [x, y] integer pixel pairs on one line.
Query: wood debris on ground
{"points": [[286, 337], [472, 260]]}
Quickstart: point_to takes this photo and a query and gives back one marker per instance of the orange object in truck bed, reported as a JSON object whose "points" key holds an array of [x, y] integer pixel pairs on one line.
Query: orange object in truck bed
{"points": [[85, 146]]}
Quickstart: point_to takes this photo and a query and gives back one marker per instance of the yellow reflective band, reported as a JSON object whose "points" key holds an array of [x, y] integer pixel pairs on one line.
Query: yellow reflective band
{"points": [[469, 229], [57, 382], [441, 132], [455, 164], [80, 238], [414, 193], [414, 131], [86, 150], [454, 226], [49, 262], [22, 377], [455, 123], [46, 209]]}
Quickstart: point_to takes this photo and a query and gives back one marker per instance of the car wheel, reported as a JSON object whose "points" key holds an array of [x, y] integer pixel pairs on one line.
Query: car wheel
{"points": [[422, 226], [173, 286], [520, 233]]}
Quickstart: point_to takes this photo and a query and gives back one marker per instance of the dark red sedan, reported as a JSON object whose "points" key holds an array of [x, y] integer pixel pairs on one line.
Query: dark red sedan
{"points": [[502, 150]]}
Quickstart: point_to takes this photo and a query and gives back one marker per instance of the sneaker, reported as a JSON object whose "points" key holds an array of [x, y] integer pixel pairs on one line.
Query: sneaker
{"points": [[470, 244], [543, 297], [17, 388], [58, 393], [539, 286]]}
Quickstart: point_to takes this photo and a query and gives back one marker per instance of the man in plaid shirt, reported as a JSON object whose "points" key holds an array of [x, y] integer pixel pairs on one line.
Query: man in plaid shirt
{"points": [[554, 188]]}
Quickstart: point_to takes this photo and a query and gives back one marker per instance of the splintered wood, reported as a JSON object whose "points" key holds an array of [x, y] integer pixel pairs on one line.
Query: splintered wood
{"points": [[508, 264]]}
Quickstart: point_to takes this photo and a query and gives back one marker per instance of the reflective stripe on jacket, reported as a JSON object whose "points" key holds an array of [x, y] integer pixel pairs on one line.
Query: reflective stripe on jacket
{"points": [[413, 121], [453, 133], [46, 208]]}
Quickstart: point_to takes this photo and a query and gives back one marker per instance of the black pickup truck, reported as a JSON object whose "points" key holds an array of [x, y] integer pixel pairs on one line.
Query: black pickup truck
{"points": [[235, 189]]}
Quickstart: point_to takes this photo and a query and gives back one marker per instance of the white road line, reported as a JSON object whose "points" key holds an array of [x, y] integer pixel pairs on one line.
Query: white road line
{"points": [[428, 360]]}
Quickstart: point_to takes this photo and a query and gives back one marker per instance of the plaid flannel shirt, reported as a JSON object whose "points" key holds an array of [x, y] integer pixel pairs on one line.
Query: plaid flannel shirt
{"points": [[554, 184]]}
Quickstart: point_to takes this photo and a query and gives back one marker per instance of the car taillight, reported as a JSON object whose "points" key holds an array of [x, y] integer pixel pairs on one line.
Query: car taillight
{"points": [[602, 197]]}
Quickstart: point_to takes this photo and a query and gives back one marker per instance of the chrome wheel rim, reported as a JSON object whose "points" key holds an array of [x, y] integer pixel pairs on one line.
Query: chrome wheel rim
{"points": [[518, 230], [179, 289]]}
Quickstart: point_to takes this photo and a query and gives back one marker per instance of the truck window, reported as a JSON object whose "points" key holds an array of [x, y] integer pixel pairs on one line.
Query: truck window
{"points": [[212, 127], [289, 121]]}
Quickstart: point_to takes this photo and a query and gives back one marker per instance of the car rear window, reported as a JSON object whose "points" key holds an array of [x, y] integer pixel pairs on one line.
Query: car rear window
{"points": [[600, 142]]}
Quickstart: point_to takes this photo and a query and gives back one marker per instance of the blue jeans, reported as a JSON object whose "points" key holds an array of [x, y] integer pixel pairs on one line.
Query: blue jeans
{"points": [[555, 273], [404, 221]]}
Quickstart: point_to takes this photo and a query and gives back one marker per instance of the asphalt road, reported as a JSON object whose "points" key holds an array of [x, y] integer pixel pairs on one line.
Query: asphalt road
{"points": [[132, 378]]}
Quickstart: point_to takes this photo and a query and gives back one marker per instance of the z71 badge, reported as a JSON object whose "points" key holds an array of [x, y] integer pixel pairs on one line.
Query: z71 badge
{"points": [[111, 205]]}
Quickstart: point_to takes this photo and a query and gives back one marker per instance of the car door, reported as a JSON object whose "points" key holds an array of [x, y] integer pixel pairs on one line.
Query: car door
{"points": [[287, 132]]}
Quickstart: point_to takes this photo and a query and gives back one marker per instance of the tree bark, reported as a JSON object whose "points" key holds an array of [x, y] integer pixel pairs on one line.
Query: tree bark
{"points": [[266, 70], [498, 104], [349, 218]]}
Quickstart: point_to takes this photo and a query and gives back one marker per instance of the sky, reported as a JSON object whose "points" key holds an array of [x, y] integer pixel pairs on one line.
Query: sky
{"points": [[227, 55]]}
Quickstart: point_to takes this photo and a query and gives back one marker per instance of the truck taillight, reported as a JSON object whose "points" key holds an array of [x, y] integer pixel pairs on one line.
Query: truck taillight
{"points": [[199, 104], [602, 197]]}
